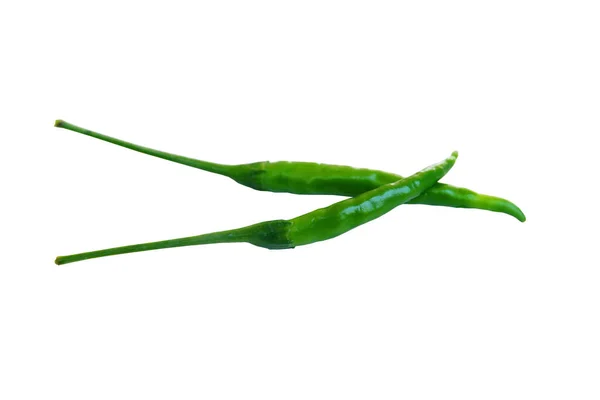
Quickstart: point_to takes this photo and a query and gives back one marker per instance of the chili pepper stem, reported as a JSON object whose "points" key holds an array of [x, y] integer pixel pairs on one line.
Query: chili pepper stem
{"points": [[231, 236], [227, 170], [269, 234]]}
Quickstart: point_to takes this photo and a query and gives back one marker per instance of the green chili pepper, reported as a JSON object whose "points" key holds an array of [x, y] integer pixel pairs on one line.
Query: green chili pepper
{"points": [[313, 178], [315, 226]]}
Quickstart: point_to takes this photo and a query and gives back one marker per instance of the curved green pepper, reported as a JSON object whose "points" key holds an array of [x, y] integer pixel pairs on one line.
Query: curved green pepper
{"points": [[322, 224], [314, 178]]}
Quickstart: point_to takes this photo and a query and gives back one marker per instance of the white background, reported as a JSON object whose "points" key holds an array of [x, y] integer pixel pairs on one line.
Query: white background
{"points": [[424, 303]]}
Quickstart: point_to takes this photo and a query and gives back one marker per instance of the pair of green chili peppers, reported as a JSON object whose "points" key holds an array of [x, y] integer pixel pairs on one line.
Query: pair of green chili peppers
{"points": [[372, 194]]}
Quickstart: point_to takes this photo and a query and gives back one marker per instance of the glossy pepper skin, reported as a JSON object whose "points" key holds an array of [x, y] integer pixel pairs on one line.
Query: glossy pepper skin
{"points": [[315, 226], [314, 178], [338, 218]]}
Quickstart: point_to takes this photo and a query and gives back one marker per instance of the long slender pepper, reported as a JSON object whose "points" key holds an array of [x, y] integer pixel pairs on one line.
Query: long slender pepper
{"points": [[314, 178], [315, 226]]}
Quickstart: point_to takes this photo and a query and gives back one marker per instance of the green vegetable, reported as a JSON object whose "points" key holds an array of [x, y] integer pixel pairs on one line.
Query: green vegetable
{"points": [[322, 224], [313, 178]]}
